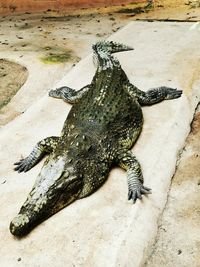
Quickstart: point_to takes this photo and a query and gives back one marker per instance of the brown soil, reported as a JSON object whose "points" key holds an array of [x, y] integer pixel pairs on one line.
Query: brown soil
{"points": [[12, 76], [18, 6]]}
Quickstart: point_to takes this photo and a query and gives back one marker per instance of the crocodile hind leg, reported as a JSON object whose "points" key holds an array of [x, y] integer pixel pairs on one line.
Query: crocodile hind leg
{"points": [[68, 94], [136, 189], [45, 146], [154, 95]]}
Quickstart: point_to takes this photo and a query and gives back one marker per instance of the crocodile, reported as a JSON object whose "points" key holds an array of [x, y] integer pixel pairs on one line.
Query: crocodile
{"points": [[103, 124]]}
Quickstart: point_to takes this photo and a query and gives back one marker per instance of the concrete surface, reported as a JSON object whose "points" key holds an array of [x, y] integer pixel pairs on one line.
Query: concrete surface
{"points": [[177, 242], [105, 229]]}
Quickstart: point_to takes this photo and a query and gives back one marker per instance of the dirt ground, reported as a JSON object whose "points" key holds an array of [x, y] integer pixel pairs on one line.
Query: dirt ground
{"points": [[13, 76]]}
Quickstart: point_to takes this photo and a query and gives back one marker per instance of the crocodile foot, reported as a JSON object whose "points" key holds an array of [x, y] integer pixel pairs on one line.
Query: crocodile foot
{"points": [[137, 191], [63, 92], [23, 165]]}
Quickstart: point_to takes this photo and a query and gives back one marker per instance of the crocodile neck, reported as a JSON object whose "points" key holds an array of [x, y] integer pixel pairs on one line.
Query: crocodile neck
{"points": [[105, 60]]}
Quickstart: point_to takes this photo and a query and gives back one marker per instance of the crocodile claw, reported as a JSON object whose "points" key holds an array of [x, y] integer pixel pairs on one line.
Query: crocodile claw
{"points": [[172, 93], [54, 93], [23, 165], [137, 192]]}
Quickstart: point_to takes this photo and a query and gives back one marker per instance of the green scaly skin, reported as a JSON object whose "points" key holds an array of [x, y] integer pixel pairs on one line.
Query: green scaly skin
{"points": [[101, 127]]}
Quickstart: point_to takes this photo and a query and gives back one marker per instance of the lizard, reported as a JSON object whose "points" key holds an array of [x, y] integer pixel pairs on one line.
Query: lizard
{"points": [[103, 124]]}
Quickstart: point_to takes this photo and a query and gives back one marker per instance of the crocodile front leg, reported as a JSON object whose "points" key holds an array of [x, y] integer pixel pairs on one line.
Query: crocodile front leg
{"points": [[68, 94], [134, 174], [154, 95], [45, 146]]}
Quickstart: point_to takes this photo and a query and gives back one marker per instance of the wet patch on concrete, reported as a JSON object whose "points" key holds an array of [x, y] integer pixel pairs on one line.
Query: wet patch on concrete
{"points": [[57, 55]]}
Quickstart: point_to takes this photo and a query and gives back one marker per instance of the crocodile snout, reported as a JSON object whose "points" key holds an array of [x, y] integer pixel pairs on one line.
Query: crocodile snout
{"points": [[18, 225]]}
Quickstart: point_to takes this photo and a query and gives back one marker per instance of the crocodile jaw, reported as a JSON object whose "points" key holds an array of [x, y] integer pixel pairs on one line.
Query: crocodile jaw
{"points": [[56, 187]]}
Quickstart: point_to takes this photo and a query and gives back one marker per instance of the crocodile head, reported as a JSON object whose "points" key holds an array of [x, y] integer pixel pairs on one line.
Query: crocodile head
{"points": [[57, 185]]}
